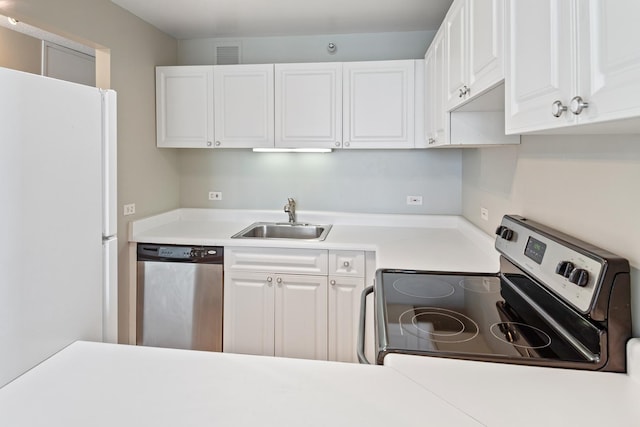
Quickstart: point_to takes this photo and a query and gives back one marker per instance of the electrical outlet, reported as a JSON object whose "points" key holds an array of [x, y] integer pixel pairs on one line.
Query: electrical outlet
{"points": [[484, 214], [414, 200], [215, 195], [129, 209]]}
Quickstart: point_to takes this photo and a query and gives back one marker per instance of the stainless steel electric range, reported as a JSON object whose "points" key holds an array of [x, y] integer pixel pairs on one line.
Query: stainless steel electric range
{"points": [[557, 301]]}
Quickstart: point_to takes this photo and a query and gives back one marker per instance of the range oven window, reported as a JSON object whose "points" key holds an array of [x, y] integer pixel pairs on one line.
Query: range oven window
{"points": [[535, 250]]}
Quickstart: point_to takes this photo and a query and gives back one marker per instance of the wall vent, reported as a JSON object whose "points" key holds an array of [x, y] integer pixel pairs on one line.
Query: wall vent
{"points": [[227, 53]]}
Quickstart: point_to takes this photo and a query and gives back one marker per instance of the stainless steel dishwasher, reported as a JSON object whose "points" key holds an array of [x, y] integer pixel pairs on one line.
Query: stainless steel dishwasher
{"points": [[180, 291]]}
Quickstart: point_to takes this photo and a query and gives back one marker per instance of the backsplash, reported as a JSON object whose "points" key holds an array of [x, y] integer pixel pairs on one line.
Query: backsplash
{"points": [[345, 180], [586, 186]]}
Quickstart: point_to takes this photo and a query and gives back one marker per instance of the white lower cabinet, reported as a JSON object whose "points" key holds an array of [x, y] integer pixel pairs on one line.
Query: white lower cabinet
{"points": [[301, 316], [344, 310], [346, 283], [275, 313], [249, 312]]}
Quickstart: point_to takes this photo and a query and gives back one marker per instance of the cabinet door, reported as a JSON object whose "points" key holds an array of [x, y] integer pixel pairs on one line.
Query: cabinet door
{"points": [[243, 106], [441, 116], [486, 44], [609, 66], [308, 105], [344, 312], [429, 98], [456, 28], [249, 313], [540, 69], [379, 104], [184, 106], [301, 316]]}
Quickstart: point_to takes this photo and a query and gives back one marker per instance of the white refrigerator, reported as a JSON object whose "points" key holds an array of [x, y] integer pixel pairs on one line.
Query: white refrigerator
{"points": [[58, 246]]}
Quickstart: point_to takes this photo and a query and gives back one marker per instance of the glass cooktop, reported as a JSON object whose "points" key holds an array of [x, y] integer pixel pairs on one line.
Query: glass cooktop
{"points": [[479, 317]]}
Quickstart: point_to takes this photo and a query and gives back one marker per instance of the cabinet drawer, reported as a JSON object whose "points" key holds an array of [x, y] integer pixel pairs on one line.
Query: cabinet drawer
{"points": [[346, 263], [291, 261]]}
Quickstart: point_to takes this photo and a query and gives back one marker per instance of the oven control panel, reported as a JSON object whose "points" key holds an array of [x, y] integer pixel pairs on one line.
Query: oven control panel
{"points": [[568, 271]]}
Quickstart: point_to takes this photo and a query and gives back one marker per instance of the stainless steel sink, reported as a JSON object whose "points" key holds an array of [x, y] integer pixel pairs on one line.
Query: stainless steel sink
{"points": [[284, 230]]}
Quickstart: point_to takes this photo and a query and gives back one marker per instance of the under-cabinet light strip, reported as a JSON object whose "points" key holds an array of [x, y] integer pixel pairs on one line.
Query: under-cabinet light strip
{"points": [[292, 150]]}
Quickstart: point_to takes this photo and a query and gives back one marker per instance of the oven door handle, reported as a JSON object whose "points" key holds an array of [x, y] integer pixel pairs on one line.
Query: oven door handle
{"points": [[361, 327]]}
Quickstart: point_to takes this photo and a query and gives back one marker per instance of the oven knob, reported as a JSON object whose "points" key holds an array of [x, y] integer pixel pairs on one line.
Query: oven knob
{"points": [[503, 231], [579, 276], [564, 268], [506, 233]]}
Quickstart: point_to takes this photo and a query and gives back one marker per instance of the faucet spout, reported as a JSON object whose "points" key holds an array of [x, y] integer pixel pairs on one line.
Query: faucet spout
{"points": [[290, 208]]}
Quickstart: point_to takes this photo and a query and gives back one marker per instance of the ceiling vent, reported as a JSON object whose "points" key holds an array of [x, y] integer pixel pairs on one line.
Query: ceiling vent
{"points": [[227, 53]]}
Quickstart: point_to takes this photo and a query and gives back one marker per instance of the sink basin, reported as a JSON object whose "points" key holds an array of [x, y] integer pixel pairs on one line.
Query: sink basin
{"points": [[283, 230]]}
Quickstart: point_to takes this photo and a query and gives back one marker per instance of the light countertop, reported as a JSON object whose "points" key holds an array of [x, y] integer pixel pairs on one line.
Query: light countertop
{"points": [[95, 384], [502, 395], [420, 242]]}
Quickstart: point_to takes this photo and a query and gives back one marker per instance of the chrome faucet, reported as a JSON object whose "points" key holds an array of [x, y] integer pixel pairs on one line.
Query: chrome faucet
{"points": [[290, 208]]}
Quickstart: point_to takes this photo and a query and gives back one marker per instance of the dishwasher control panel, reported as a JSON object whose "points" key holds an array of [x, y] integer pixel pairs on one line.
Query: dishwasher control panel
{"points": [[179, 253], [175, 252]]}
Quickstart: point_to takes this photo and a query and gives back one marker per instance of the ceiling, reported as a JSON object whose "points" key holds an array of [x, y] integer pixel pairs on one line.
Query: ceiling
{"points": [[189, 19]]}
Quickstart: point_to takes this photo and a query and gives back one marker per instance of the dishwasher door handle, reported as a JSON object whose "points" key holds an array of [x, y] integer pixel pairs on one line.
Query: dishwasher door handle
{"points": [[361, 328]]}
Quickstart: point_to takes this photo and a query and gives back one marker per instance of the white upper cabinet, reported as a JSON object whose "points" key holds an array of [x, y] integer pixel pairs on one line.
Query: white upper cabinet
{"points": [[474, 49], [539, 69], [486, 44], [436, 118], [379, 104], [572, 62], [243, 96], [608, 62], [184, 106], [308, 105], [455, 25]]}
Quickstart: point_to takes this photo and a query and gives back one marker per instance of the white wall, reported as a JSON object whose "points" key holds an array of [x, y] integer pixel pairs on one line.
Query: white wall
{"points": [[19, 51], [350, 47], [586, 186], [353, 181]]}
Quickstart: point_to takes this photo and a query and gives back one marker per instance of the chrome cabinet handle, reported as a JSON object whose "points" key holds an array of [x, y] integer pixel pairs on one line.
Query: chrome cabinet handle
{"points": [[346, 263], [464, 90], [332, 283], [557, 109], [577, 104], [209, 143], [346, 144], [337, 144], [279, 280], [218, 143], [432, 141], [269, 280]]}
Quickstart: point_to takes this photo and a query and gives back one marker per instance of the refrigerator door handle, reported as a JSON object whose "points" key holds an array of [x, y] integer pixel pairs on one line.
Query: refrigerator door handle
{"points": [[109, 159], [110, 289]]}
